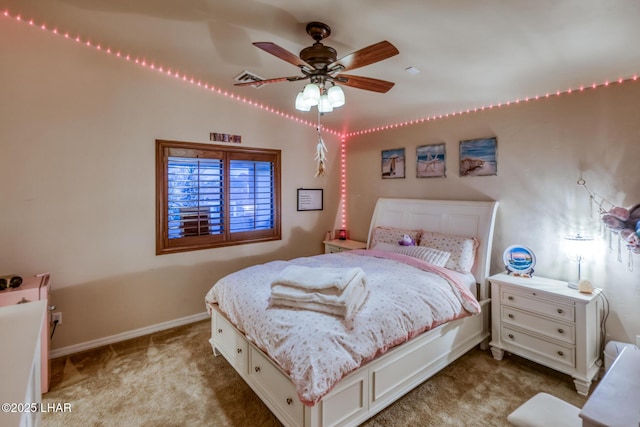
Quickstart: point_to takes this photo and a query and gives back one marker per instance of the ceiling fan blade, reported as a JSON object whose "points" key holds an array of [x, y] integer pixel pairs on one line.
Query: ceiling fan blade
{"points": [[283, 54], [276, 80], [365, 56], [366, 83]]}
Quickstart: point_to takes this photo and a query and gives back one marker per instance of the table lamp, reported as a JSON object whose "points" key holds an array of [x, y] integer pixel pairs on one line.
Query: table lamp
{"points": [[578, 248]]}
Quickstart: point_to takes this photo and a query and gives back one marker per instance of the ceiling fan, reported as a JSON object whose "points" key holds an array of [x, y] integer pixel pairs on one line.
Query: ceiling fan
{"points": [[319, 63]]}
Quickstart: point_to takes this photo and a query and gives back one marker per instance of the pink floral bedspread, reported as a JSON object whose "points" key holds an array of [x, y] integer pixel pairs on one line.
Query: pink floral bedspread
{"points": [[406, 297]]}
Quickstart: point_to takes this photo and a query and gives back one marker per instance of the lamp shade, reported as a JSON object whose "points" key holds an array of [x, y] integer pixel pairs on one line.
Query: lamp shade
{"points": [[301, 104], [325, 105], [336, 96], [578, 247], [311, 94]]}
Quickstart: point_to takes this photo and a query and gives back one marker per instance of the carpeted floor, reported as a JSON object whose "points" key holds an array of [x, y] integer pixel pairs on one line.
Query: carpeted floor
{"points": [[171, 378]]}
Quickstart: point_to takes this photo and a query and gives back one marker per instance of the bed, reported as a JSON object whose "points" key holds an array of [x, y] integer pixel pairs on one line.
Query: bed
{"points": [[372, 380]]}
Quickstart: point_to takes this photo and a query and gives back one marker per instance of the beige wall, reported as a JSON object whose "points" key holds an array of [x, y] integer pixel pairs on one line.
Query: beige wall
{"points": [[543, 148], [77, 152]]}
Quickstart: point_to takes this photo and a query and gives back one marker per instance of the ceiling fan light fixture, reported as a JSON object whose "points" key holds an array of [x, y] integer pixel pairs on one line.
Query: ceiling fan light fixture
{"points": [[325, 105], [311, 94], [336, 96], [320, 64], [301, 105]]}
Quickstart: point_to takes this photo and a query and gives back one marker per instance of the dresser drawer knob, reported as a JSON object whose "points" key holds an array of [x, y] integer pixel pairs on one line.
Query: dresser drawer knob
{"points": [[511, 336], [560, 353], [219, 331], [238, 350], [510, 298], [560, 311], [510, 315], [534, 294], [289, 401], [560, 331], [257, 369]]}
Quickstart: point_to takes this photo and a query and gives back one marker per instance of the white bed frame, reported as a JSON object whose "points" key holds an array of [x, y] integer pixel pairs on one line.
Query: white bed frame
{"points": [[382, 381]]}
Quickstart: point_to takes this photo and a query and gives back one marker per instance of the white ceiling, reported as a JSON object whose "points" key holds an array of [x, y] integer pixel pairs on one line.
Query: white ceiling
{"points": [[470, 53]]}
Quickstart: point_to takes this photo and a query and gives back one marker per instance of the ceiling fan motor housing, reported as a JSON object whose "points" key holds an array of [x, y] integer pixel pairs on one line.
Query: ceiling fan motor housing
{"points": [[318, 55]]}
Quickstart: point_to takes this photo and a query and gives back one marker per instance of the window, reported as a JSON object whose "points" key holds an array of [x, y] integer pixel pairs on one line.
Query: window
{"points": [[210, 195]]}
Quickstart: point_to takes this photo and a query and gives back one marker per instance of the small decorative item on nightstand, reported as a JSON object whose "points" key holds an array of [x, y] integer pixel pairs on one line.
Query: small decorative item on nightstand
{"points": [[342, 235], [519, 260]]}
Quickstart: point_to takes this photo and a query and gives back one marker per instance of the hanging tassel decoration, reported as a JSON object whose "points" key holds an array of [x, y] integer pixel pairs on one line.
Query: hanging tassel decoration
{"points": [[321, 157], [321, 152]]}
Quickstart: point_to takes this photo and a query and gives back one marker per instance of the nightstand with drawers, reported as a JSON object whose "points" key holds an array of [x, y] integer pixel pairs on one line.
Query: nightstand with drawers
{"points": [[545, 321], [337, 245]]}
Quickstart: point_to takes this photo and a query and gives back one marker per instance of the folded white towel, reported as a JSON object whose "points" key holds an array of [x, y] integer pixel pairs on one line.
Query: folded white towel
{"points": [[330, 296], [323, 279], [345, 306]]}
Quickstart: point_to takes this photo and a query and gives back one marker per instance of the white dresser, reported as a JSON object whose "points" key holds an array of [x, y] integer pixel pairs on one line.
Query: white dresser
{"points": [[20, 387], [34, 288], [547, 322]]}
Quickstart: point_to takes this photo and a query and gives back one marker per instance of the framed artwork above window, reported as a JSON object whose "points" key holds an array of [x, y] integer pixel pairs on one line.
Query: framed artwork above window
{"points": [[210, 196]]}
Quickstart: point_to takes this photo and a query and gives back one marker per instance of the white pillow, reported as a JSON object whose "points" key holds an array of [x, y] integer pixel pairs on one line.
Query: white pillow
{"points": [[391, 235], [462, 249], [434, 256]]}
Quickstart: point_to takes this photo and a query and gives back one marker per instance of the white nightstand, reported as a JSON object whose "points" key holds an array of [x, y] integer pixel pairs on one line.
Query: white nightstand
{"points": [[336, 245], [545, 321]]}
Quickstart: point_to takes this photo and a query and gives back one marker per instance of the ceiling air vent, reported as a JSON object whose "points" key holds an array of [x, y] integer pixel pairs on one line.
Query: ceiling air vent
{"points": [[246, 77]]}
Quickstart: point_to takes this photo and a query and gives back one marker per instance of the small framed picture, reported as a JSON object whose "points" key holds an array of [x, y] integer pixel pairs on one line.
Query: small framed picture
{"points": [[393, 163], [431, 161], [310, 199], [478, 157]]}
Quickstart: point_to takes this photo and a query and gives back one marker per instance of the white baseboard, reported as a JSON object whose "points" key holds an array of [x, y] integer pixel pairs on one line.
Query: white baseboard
{"points": [[88, 345]]}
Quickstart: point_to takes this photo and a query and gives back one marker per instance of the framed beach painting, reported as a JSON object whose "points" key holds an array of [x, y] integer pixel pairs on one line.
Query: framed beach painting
{"points": [[393, 163], [431, 161], [478, 157]]}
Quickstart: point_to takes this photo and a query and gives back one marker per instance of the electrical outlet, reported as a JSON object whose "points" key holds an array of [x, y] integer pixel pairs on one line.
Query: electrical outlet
{"points": [[57, 316]]}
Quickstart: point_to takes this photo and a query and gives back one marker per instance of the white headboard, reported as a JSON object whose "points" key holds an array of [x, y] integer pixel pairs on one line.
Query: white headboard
{"points": [[461, 218]]}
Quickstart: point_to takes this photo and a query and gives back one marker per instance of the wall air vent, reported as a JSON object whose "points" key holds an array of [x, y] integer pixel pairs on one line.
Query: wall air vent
{"points": [[246, 77]]}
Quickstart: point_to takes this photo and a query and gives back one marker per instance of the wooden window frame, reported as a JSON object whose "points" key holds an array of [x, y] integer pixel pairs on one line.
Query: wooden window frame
{"points": [[164, 245]]}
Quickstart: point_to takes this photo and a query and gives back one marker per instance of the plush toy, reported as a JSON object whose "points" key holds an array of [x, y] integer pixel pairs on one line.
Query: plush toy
{"points": [[407, 241]]}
